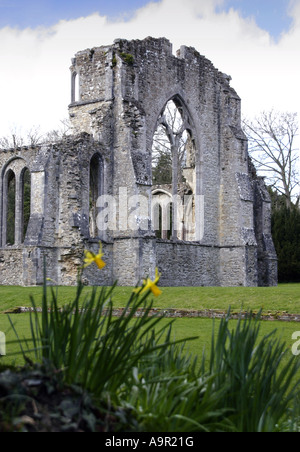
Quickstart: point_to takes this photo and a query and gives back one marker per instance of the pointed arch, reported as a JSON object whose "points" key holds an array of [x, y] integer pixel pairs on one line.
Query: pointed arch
{"points": [[183, 109], [174, 163]]}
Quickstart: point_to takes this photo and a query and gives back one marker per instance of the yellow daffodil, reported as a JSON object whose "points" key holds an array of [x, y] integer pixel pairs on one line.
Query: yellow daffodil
{"points": [[148, 284], [91, 257]]}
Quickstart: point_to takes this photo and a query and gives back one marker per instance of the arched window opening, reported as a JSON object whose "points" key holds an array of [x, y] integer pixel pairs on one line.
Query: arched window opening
{"points": [[162, 215], [95, 191], [11, 208], [173, 167], [26, 199], [75, 90]]}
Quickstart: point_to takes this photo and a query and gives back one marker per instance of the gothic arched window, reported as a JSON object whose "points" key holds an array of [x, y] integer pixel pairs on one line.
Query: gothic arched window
{"points": [[173, 168], [10, 220]]}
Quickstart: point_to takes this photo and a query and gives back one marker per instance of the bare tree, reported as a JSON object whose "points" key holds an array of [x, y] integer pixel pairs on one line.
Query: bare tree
{"points": [[13, 140], [273, 149], [34, 137], [58, 134]]}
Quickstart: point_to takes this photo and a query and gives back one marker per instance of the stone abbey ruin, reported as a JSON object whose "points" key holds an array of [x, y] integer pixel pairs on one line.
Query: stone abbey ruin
{"points": [[157, 169]]}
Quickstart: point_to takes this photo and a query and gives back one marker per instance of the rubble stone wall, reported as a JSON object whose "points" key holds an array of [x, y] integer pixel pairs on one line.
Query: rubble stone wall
{"points": [[123, 90]]}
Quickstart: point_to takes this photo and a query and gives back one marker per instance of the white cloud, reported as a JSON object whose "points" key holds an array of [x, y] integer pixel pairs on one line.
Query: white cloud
{"points": [[35, 78]]}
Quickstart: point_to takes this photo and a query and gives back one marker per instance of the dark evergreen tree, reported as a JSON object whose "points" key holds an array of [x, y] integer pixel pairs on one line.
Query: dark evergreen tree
{"points": [[162, 172], [286, 236]]}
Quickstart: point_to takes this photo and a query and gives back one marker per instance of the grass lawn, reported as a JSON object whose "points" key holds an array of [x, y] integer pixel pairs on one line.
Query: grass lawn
{"points": [[285, 297], [282, 298], [182, 328]]}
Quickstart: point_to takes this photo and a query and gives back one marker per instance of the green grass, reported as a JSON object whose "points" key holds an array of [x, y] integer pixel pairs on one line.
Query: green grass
{"points": [[134, 363], [183, 328], [285, 297]]}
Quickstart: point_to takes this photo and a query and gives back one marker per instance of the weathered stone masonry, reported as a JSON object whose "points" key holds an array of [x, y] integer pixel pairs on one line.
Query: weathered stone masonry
{"points": [[118, 95]]}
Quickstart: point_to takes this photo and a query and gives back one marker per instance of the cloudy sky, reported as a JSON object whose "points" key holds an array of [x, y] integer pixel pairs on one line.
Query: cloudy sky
{"points": [[255, 41]]}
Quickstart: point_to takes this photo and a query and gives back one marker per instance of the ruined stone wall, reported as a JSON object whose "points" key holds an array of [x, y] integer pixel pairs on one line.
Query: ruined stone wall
{"points": [[59, 221], [123, 90], [188, 264]]}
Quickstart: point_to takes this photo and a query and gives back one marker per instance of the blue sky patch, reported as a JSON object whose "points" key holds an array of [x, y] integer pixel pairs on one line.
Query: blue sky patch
{"points": [[270, 15], [34, 13]]}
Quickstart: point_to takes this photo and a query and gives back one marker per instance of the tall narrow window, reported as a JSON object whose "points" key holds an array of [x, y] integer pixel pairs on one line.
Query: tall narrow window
{"points": [[75, 97], [96, 188], [26, 196], [162, 214], [11, 208]]}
